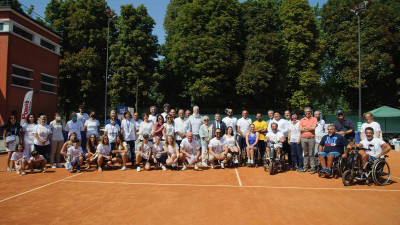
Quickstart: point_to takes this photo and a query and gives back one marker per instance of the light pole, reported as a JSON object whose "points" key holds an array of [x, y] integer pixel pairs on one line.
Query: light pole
{"points": [[110, 17], [357, 11]]}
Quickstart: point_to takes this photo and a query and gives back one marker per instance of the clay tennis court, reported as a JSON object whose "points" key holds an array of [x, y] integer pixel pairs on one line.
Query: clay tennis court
{"points": [[245, 195]]}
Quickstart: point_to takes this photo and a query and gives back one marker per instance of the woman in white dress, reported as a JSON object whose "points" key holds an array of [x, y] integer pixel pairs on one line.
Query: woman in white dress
{"points": [[232, 144]]}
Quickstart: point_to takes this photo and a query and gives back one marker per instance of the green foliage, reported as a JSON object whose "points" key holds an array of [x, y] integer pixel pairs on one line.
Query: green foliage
{"points": [[202, 49], [133, 57], [303, 49], [379, 52]]}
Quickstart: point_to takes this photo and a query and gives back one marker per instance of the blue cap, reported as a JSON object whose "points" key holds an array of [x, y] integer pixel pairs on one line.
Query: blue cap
{"points": [[339, 111]]}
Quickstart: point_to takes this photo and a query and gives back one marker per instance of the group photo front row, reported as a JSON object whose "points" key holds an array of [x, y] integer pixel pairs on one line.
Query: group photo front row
{"points": [[179, 139]]}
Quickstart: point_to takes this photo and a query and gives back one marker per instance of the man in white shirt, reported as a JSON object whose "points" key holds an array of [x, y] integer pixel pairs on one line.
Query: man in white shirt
{"points": [[166, 111], [74, 126], [270, 116], [128, 130], [153, 114], [230, 121], [320, 129], [275, 136], [377, 146], [190, 151], [195, 121], [243, 125], [218, 150], [181, 127], [81, 115], [137, 127]]}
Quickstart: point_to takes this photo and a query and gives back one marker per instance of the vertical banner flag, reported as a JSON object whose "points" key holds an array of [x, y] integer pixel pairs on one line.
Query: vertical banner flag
{"points": [[26, 107]]}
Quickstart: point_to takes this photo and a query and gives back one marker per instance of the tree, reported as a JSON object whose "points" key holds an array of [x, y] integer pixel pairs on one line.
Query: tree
{"points": [[379, 52], [302, 47], [263, 54], [133, 57], [202, 49], [84, 28]]}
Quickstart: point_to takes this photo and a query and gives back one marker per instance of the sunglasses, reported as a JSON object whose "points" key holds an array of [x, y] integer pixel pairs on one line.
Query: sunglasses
{"points": [[217, 132], [206, 120], [168, 117]]}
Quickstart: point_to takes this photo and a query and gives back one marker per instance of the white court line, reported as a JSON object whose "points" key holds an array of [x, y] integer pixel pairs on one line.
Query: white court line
{"points": [[237, 175], [26, 192], [156, 184], [398, 178], [235, 186]]}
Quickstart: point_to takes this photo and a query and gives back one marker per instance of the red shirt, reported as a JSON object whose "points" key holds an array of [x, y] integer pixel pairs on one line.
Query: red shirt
{"points": [[305, 122]]}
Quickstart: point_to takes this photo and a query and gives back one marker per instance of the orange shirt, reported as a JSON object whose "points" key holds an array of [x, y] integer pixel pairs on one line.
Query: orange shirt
{"points": [[305, 122]]}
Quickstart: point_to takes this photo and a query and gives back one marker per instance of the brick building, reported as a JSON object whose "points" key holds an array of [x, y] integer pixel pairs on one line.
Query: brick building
{"points": [[29, 59]]}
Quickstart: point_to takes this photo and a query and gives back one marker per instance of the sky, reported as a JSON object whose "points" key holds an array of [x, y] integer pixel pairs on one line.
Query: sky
{"points": [[156, 9]]}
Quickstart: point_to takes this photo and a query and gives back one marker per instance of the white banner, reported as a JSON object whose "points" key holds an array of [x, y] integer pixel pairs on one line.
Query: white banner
{"points": [[26, 107]]}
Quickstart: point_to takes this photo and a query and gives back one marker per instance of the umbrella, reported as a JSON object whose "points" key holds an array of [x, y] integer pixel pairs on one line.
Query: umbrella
{"points": [[386, 111]]}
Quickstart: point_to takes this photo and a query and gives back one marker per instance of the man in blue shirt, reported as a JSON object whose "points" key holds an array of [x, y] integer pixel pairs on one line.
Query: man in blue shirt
{"points": [[331, 146]]}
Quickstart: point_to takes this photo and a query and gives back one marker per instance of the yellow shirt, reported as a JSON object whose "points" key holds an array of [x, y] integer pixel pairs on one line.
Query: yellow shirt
{"points": [[260, 125]]}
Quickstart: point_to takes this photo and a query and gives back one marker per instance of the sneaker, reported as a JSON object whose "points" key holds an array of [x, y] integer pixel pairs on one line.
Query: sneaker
{"points": [[13, 169], [222, 166], [212, 166], [53, 166], [58, 165], [204, 164], [312, 171], [156, 167], [100, 169], [138, 169], [123, 168], [184, 167], [8, 169], [248, 161], [42, 170], [196, 167], [78, 171], [302, 170], [23, 173], [163, 167], [18, 172], [252, 161]]}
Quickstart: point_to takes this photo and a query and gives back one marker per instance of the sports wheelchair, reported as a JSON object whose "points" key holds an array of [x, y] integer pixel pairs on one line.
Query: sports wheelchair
{"points": [[377, 171]]}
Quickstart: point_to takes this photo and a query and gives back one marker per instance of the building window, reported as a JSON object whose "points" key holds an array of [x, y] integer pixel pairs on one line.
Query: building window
{"points": [[48, 83], [23, 33], [46, 44], [21, 76], [1, 26]]}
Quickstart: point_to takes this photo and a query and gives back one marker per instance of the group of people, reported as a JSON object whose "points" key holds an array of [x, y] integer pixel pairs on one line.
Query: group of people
{"points": [[165, 140]]}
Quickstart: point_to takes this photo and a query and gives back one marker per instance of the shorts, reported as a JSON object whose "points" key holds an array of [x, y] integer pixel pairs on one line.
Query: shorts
{"points": [[191, 159], [75, 162], [334, 154], [104, 160]]}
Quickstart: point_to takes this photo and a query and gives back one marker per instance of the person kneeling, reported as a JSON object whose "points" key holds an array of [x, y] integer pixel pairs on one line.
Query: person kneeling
{"points": [[144, 153], [18, 158], [37, 162], [190, 151], [75, 156], [102, 156], [331, 146], [121, 151], [218, 150]]}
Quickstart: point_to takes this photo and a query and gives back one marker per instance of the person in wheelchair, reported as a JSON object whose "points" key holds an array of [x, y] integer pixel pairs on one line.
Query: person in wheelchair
{"points": [[330, 147], [274, 136], [377, 147]]}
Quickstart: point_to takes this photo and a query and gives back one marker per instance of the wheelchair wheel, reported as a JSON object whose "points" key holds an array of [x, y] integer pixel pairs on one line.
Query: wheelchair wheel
{"points": [[272, 167], [380, 172], [348, 177]]}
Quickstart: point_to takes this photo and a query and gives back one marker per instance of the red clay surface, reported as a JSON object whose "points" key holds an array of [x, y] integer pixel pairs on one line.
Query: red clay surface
{"points": [[194, 197]]}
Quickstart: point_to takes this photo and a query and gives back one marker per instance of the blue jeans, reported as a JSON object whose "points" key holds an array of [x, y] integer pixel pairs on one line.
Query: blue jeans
{"points": [[297, 154], [326, 154]]}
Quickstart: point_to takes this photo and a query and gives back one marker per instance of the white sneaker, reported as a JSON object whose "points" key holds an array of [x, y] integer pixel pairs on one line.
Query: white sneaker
{"points": [[173, 165], [251, 161], [222, 166], [53, 166], [212, 166], [138, 168], [248, 161], [204, 164], [42, 170], [18, 172], [196, 167], [184, 167], [59, 165], [123, 168], [163, 167], [23, 173]]}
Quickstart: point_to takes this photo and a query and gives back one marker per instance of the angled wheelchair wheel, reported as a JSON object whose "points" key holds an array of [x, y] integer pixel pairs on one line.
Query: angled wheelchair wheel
{"points": [[380, 172], [348, 177]]}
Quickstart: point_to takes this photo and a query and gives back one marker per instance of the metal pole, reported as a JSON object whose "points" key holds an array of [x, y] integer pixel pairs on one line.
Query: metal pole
{"points": [[137, 94], [359, 69], [105, 94]]}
